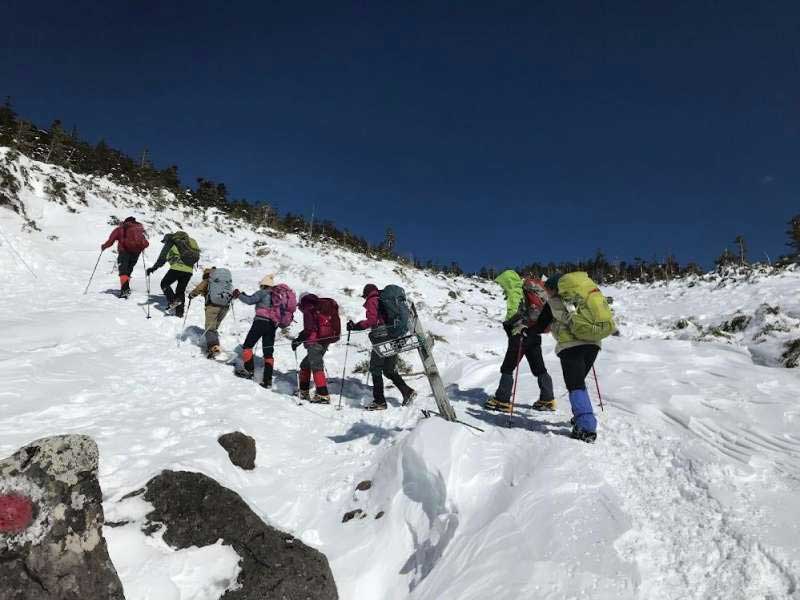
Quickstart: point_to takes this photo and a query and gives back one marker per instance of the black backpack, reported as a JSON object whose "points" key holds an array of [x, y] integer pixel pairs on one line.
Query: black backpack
{"points": [[393, 306], [187, 248]]}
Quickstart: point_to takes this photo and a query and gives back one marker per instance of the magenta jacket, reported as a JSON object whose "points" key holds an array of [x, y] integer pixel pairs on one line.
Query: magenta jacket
{"points": [[374, 318]]}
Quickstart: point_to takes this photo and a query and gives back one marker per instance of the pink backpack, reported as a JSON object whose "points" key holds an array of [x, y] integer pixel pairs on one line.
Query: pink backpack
{"points": [[284, 303]]}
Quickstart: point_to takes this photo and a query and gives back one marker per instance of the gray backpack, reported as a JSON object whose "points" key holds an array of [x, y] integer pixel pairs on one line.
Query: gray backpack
{"points": [[220, 287]]}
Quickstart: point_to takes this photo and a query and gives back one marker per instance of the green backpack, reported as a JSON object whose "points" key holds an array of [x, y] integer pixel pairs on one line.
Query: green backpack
{"points": [[592, 319], [187, 248]]}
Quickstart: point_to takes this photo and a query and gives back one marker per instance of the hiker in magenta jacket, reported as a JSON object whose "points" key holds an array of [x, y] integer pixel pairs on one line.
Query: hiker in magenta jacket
{"points": [[313, 364], [378, 365], [371, 304], [131, 241]]}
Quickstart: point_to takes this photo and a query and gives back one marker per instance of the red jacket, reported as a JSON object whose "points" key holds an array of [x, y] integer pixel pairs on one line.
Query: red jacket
{"points": [[374, 317], [308, 306], [118, 235]]}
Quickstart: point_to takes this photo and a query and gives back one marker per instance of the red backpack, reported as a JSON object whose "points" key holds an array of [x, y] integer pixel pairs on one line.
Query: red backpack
{"points": [[535, 298], [133, 237], [329, 322]]}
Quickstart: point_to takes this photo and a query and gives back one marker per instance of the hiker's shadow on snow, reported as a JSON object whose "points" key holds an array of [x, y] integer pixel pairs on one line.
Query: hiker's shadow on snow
{"points": [[519, 420], [111, 292], [363, 429], [193, 334], [471, 396]]}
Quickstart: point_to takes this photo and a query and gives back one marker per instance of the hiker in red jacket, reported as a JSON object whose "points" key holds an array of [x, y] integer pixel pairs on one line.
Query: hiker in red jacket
{"points": [[379, 366], [131, 241], [316, 337]]}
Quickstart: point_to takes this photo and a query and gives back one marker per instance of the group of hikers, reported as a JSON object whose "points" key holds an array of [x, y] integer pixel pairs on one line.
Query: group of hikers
{"points": [[569, 306]]}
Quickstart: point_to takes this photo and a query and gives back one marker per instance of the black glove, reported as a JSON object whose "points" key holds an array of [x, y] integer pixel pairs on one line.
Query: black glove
{"points": [[352, 326], [236, 293], [149, 271], [296, 344]]}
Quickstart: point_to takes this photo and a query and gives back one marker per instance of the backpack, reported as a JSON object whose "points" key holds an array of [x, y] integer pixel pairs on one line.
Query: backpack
{"points": [[533, 300], [394, 308], [220, 287], [330, 324], [592, 319], [187, 248], [284, 303], [133, 237]]}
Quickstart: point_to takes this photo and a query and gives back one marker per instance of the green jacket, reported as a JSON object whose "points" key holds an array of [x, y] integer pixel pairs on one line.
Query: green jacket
{"points": [[169, 253], [175, 262], [511, 283]]}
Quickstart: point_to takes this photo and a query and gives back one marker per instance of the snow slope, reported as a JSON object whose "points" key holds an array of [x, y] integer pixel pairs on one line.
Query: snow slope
{"points": [[690, 492]]}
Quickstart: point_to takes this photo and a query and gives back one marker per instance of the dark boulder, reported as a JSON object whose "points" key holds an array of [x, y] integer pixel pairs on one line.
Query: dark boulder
{"points": [[241, 449], [51, 519], [195, 510]]}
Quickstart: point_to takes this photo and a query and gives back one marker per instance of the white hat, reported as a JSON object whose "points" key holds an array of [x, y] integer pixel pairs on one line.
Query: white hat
{"points": [[268, 281]]}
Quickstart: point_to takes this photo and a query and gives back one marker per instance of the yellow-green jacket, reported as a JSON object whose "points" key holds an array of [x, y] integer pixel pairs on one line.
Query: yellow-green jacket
{"points": [[511, 283]]}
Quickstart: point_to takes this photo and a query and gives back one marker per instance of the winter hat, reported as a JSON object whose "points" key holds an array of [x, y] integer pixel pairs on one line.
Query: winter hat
{"points": [[130, 220], [552, 281], [207, 272], [368, 289], [268, 281]]}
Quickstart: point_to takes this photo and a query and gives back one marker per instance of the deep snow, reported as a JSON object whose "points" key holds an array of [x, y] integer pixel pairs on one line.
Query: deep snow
{"points": [[690, 492]]}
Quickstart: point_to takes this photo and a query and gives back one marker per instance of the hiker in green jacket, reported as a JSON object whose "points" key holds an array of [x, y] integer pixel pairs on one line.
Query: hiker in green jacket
{"points": [[182, 253], [524, 300]]}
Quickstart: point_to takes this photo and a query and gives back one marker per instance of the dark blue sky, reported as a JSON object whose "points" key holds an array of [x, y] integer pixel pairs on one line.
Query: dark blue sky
{"points": [[489, 133]]}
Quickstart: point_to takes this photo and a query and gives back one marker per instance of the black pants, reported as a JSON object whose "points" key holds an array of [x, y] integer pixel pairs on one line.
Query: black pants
{"points": [[576, 362], [179, 294], [126, 261], [380, 367], [264, 330], [531, 350]]}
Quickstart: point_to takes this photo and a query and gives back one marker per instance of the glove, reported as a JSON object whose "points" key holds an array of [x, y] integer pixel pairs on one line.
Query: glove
{"points": [[236, 293], [520, 329], [192, 296], [102, 247], [352, 326], [148, 271], [296, 344]]}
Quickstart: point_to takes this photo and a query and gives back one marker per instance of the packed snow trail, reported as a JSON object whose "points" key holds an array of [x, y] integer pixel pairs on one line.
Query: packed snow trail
{"points": [[690, 492]]}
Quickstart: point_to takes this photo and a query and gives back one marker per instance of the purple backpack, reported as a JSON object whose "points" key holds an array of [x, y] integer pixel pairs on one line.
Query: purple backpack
{"points": [[284, 303]]}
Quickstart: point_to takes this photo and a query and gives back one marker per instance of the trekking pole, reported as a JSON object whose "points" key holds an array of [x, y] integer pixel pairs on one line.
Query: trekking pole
{"points": [[344, 371], [516, 378], [146, 281], [233, 314], [186, 314], [597, 385], [86, 291], [297, 377]]}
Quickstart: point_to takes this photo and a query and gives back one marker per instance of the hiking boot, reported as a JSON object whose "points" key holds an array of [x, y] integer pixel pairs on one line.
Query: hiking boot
{"points": [[321, 399], [494, 404], [125, 294], [409, 398], [266, 384], [304, 395], [376, 406], [548, 405], [243, 373], [585, 436], [213, 351]]}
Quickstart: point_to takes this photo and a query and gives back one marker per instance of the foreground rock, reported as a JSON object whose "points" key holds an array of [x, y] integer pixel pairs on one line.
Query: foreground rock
{"points": [[51, 518], [241, 449], [197, 511]]}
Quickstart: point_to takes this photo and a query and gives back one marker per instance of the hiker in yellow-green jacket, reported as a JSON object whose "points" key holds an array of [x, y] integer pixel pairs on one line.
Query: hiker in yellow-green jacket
{"points": [[182, 253], [524, 300], [579, 317]]}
